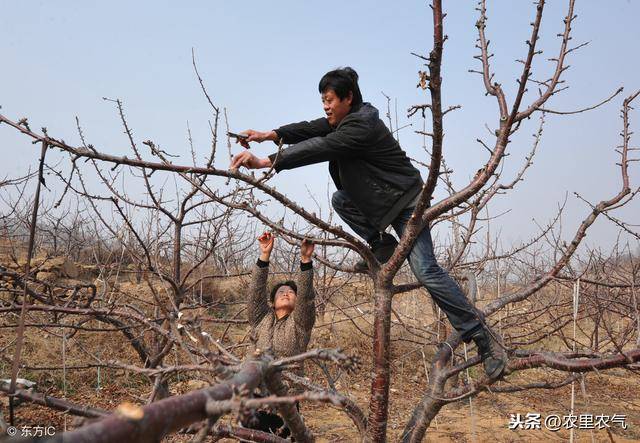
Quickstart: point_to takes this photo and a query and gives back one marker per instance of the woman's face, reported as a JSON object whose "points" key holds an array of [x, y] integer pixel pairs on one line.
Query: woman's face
{"points": [[285, 298]]}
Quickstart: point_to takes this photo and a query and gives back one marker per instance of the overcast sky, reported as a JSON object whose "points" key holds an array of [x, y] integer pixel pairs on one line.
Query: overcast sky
{"points": [[262, 61]]}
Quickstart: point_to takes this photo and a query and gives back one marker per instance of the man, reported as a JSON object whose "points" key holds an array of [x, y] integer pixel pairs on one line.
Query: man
{"points": [[281, 323], [377, 187]]}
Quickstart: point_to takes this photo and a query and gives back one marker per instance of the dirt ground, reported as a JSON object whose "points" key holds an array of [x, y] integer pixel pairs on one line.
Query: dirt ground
{"points": [[484, 418]]}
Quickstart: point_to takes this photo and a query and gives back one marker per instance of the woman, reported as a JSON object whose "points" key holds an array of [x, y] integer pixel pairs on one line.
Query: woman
{"points": [[281, 322]]}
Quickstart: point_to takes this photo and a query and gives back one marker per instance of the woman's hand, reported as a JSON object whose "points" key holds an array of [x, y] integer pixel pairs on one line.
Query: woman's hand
{"points": [[306, 251], [266, 245]]}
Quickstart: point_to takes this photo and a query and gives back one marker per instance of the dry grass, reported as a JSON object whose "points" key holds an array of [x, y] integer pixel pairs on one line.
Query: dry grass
{"points": [[485, 419]]}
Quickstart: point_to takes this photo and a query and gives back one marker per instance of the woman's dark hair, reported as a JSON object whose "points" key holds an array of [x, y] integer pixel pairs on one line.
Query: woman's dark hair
{"points": [[277, 286], [342, 81]]}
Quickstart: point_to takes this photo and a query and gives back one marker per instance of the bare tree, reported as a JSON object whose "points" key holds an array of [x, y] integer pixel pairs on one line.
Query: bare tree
{"points": [[521, 278]]}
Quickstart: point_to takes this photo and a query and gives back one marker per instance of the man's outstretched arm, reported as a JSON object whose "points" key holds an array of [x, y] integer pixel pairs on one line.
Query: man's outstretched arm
{"points": [[298, 132], [351, 139], [288, 134]]}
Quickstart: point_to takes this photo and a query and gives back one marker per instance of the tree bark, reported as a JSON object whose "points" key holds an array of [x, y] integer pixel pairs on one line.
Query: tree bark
{"points": [[379, 409], [164, 417]]}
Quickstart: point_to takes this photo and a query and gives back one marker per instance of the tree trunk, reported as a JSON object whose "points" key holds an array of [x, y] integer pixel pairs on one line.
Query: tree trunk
{"points": [[379, 406]]}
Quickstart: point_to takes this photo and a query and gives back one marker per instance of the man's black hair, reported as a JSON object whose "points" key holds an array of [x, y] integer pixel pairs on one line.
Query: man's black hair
{"points": [[277, 286], [342, 81]]}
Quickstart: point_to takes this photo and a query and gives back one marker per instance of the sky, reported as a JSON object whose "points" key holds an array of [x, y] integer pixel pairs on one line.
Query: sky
{"points": [[262, 61]]}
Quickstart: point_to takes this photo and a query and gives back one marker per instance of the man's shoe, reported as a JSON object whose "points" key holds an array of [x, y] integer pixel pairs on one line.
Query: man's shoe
{"points": [[382, 247], [494, 357]]}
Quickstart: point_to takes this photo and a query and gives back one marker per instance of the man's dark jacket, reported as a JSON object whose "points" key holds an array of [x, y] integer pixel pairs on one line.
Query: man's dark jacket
{"points": [[364, 160]]}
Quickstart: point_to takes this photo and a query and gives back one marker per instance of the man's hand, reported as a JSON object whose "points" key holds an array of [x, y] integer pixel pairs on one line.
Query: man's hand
{"points": [[250, 161], [306, 251], [266, 245], [256, 136]]}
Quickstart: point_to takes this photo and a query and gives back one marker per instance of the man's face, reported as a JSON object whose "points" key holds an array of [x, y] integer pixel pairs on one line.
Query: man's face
{"points": [[285, 298], [335, 108]]}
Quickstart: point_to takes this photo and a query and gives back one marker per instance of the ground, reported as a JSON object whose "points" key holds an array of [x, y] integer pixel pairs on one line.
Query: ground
{"points": [[484, 418]]}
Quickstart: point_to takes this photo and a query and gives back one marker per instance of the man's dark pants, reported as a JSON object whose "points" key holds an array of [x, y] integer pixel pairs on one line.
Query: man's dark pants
{"points": [[444, 290]]}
